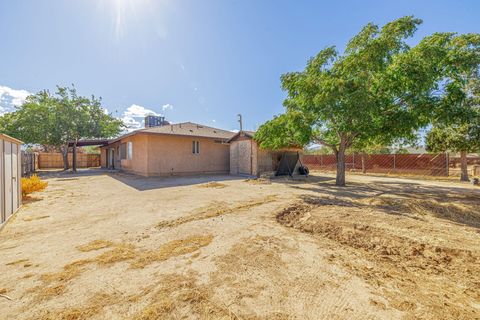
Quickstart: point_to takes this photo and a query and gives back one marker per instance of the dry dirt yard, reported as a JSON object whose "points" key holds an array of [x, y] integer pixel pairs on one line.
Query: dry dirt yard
{"points": [[116, 246]]}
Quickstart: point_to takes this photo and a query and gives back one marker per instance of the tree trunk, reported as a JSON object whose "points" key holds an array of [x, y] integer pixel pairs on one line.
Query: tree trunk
{"points": [[463, 165], [340, 156], [64, 149], [364, 168]]}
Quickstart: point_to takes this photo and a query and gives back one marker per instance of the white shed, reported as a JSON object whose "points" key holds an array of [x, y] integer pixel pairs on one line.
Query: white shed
{"points": [[10, 177]]}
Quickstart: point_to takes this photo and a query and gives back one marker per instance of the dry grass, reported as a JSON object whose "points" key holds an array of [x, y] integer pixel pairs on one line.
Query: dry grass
{"points": [[95, 245], [69, 271], [215, 210], [16, 262], [55, 283], [171, 249], [179, 295], [35, 218], [258, 181], [94, 306], [213, 184], [50, 291], [121, 252]]}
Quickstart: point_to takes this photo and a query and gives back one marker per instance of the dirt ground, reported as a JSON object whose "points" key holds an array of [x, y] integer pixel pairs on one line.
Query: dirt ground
{"points": [[117, 246]]}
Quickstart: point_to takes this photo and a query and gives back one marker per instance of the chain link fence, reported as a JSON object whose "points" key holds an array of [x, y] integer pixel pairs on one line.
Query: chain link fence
{"points": [[426, 164]]}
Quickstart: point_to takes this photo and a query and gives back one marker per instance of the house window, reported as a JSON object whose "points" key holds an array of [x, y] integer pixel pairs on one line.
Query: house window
{"points": [[195, 147], [129, 150], [123, 151]]}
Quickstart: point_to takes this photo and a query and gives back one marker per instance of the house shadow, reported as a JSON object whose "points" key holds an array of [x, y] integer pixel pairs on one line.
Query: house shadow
{"points": [[141, 183]]}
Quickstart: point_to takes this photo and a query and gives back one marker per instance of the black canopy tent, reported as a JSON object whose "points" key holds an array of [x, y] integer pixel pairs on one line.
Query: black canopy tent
{"points": [[288, 164]]}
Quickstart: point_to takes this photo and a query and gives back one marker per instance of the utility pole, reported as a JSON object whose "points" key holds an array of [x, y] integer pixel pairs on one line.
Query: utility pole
{"points": [[240, 121]]}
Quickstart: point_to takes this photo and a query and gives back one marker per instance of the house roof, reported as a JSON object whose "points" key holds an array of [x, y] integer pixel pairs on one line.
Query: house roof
{"points": [[183, 129]]}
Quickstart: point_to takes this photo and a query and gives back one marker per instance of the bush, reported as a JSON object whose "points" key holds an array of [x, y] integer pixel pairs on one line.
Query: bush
{"points": [[32, 184]]}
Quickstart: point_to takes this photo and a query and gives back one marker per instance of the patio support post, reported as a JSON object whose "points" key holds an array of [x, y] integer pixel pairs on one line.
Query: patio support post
{"points": [[74, 159]]}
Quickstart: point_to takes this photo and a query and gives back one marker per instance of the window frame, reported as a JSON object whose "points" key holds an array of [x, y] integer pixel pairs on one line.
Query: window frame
{"points": [[129, 150], [123, 151], [195, 147]]}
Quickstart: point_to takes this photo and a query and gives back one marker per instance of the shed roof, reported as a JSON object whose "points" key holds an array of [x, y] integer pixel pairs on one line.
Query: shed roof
{"points": [[11, 139], [183, 129], [243, 133]]}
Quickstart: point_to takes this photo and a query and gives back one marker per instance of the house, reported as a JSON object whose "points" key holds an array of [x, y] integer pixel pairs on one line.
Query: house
{"points": [[190, 148], [173, 149], [246, 157]]}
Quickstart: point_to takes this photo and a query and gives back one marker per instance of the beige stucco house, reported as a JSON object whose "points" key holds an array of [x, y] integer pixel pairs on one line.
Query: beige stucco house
{"points": [[190, 148], [173, 149]]}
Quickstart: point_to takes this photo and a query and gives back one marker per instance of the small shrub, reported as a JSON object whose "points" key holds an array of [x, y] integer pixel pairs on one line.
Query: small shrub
{"points": [[32, 184]]}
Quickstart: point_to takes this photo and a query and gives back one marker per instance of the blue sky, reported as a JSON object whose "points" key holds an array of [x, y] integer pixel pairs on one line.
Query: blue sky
{"points": [[201, 61]]}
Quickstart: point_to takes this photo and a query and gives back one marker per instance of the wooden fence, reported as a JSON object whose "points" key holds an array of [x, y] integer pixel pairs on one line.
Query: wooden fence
{"points": [[29, 163], [55, 160]]}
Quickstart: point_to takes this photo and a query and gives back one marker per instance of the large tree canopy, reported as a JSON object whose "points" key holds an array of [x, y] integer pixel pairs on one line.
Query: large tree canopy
{"points": [[379, 90], [456, 127], [55, 120]]}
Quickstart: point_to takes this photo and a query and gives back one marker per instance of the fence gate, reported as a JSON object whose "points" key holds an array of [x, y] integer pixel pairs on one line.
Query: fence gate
{"points": [[10, 173]]}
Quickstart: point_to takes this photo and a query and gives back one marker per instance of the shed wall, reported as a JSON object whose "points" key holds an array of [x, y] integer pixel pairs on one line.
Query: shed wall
{"points": [[242, 157], [10, 173]]}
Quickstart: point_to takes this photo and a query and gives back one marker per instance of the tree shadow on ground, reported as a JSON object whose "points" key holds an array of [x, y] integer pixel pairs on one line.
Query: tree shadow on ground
{"points": [[407, 199]]}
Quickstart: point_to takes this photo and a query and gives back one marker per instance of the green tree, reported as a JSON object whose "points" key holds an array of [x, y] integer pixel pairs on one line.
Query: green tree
{"points": [[456, 126], [56, 120], [454, 138], [380, 90]]}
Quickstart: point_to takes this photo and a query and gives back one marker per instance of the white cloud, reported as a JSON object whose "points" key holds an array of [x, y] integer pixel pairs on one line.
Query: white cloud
{"points": [[11, 98], [167, 106], [137, 111], [132, 124], [134, 116], [214, 121]]}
